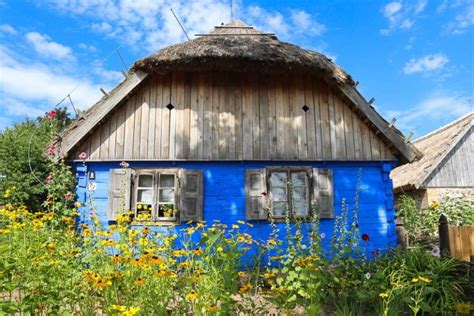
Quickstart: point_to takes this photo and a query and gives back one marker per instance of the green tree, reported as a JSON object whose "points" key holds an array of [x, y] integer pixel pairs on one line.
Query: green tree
{"points": [[23, 144]]}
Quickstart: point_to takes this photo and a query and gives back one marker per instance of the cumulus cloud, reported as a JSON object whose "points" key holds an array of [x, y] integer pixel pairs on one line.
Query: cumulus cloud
{"points": [[462, 22], [8, 29], [438, 108], [402, 15], [46, 47], [150, 24], [428, 63]]}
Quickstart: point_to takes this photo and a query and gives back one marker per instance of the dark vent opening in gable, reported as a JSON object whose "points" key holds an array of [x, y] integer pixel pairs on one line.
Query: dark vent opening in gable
{"points": [[305, 108], [170, 106]]}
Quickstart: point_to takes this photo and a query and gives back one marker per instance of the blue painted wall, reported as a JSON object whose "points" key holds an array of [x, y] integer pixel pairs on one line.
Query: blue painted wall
{"points": [[224, 195]]}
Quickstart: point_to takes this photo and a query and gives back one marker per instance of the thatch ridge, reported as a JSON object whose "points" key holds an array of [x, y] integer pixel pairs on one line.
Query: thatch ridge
{"points": [[434, 147], [236, 47]]}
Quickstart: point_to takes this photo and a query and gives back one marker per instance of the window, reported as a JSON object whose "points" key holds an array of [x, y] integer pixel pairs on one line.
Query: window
{"points": [[156, 195], [288, 191], [166, 195]]}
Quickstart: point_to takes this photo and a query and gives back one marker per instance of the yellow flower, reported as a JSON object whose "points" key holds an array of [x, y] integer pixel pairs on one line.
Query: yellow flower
{"points": [[198, 252], [37, 224], [235, 226], [119, 308], [425, 280], [240, 222], [241, 274], [211, 308], [139, 282], [184, 264], [139, 206], [415, 280], [383, 295], [219, 249], [246, 288], [190, 231], [107, 242], [146, 230], [192, 296]]}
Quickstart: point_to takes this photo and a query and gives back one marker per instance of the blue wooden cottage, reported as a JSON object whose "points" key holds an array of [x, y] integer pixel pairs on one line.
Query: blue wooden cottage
{"points": [[237, 125]]}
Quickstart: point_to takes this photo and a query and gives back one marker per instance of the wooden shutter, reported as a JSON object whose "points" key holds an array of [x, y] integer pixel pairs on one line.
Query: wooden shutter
{"points": [[323, 192], [254, 200], [120, 188], [191, 195]]}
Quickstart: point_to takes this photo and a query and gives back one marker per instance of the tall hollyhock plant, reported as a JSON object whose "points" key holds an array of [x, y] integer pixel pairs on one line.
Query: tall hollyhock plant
{"points": [[60, 182]]}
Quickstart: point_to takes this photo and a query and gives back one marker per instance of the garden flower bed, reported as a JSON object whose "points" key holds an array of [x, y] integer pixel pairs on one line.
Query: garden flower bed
{"points": [[48, 265]]}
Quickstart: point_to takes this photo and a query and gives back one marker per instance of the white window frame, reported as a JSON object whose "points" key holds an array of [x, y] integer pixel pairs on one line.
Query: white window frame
{"points": [[156, 173]]}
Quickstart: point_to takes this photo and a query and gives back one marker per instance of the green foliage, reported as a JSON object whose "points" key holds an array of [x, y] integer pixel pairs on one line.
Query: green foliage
{"points": [[421, 225], [18, 185]]}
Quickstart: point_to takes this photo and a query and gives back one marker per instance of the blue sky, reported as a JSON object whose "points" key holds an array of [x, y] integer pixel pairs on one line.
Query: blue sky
{"points": [[415, 57]]}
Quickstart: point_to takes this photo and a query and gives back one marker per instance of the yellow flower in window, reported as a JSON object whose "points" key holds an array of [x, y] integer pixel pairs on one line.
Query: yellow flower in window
{"points": [[139, 206]]}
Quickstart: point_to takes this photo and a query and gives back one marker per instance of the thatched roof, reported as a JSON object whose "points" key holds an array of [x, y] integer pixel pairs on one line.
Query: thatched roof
{"points": [[237, 47], [241, 48], [435, 146]]}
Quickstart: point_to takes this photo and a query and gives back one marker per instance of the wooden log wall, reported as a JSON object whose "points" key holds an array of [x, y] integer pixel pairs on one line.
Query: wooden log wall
{"points": [[229, 116]]}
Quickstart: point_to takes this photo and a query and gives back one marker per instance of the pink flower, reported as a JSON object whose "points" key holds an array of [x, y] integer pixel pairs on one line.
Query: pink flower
{"points": [[51, 150], [48, 179], [82, 155], [68, 196], [51, 114], [124, 164]]}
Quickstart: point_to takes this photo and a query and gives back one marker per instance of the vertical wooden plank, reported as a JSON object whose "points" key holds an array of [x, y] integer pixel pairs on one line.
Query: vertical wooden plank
{"points": [[358, 154], [113, 135], [294, 120], [317, 118], [187, 115], [200, 117], [223, 117], [263, 116], [178, 97], [374, 144], [310, 118], [138, 124], [231, 115], [255, 107], [152, 122], [299, 117], [95, 144], [348, 130], [120, 138], [159, 113], [339, 123], [247, 118], [215, 114], [165, 118], [193, 131], [207, 131], [173, 115], [238, 116], [332, 123], [272, 117], [366, 147], [129, 128], [145, 119], [281, 119], [104, 139], [327, 121]]}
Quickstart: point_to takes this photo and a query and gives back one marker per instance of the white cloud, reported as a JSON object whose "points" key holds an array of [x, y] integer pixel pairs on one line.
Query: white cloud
{"points": [[462, 21], [437, 109], [86, 47], [402, 15], [150, 24], [8, 29], [44, 46], [391, 8], [30, 89], [425, 64]]}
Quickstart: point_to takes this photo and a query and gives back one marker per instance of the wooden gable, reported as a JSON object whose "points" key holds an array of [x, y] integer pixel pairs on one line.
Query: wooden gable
{"points": [[234, 116]]}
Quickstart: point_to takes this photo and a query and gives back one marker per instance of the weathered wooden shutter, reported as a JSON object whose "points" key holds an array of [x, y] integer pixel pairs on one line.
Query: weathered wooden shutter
{"points": [[254, 199], [191, 195], [323, 192], [120, 188]]}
